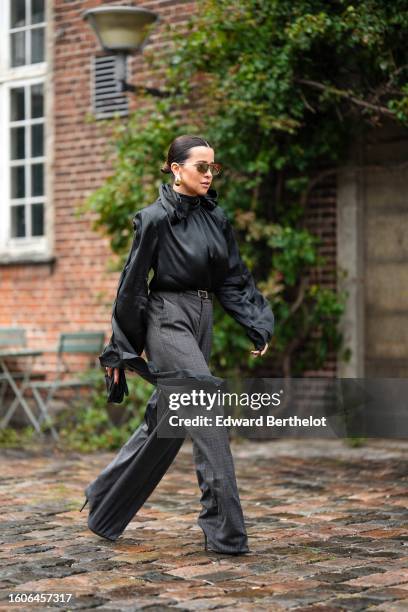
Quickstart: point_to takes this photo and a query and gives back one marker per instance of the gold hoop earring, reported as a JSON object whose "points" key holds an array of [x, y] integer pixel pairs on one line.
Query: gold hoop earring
{"points": [[177, 180]]}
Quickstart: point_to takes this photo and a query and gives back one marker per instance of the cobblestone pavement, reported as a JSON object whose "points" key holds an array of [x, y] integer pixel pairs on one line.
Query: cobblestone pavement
{"points": [[327, 528]]}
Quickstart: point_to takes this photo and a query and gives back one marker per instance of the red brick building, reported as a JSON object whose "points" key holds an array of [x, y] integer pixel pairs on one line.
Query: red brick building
{"points": [[53, 274], [52, 265]]}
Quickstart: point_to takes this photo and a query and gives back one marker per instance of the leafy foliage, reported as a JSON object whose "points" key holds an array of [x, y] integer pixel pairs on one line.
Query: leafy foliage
{"points": [[280, 89], [92, 425]]}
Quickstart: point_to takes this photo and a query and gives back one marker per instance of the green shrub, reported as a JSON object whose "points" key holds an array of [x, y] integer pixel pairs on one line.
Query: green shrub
{"points": [[92, 424]]}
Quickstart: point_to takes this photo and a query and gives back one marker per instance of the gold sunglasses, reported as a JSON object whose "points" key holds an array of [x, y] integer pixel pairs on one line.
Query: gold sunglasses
{"points": [[202, 167]]}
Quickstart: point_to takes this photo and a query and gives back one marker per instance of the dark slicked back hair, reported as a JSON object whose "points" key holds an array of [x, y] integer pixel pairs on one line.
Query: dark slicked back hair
{"points": [[179, 150]]}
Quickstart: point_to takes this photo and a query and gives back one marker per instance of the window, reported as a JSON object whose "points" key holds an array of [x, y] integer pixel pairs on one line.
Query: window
{"points": [[27, 160], [27, 29], [23, 128]]}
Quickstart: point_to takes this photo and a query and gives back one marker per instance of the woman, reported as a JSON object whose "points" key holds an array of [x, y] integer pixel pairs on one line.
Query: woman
{"points": [[188, 241]]}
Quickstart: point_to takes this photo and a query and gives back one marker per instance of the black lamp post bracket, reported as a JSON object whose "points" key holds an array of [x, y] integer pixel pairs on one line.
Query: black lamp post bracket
{"points": [[122, 85]]}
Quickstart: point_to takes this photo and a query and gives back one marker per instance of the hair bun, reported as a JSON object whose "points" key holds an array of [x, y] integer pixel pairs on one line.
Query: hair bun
{"points": [[165, 168]]}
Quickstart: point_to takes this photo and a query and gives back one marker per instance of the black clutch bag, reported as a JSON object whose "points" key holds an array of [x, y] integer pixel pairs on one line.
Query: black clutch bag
{"points": [[116, 392]]}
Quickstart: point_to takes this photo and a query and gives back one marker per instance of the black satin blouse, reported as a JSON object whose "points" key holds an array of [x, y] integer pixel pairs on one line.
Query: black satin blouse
{"points": [[189, 243], [193, 252]]}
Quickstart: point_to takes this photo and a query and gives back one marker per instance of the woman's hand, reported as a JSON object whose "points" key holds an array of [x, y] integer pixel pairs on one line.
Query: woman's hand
{"points": [[115, 374], [260, 352]]}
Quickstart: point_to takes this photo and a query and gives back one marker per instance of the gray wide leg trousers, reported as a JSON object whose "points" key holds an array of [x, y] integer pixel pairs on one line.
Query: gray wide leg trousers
{"points": [[179, 336]]}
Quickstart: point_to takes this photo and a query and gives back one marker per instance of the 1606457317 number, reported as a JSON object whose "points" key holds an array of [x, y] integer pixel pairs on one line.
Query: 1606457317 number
{"points": [[19, 597]]}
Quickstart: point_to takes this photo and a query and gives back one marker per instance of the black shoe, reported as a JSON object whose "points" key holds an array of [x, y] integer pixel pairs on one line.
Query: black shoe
{"points": [[86, 501]]}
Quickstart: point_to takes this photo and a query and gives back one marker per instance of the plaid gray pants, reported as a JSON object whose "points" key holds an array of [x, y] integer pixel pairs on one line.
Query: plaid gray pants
{"points": [[179, 335]]}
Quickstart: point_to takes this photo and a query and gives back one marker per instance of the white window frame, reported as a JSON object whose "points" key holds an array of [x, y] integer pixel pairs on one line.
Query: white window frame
{"points": [[34, 247]]}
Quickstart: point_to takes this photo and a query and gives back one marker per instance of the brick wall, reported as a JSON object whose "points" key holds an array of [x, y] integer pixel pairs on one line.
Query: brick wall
{"points": [[321, 221], [75, 291]]}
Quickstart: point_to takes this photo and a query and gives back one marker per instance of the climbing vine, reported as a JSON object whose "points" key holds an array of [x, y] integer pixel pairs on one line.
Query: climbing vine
{"points": [[281, 89]]}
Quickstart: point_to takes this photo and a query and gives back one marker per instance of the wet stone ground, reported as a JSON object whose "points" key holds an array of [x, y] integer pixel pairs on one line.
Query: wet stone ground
{"points": [[327, 528]]}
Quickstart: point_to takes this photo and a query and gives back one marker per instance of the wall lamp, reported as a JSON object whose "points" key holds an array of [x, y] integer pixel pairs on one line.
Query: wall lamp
{"points": [[123, 30]]}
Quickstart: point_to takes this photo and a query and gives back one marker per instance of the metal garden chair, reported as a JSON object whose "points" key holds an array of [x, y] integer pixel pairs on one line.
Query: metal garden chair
{"points": [[13, 347], [90, 343], [14, 337]]}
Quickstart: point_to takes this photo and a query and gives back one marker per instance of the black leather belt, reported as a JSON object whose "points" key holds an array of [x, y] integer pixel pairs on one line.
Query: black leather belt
{"points": [[203, 293]]}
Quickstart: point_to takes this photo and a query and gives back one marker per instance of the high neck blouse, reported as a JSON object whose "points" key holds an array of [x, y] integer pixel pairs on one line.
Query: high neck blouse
{"points": [[189, 243], [188, 202]]}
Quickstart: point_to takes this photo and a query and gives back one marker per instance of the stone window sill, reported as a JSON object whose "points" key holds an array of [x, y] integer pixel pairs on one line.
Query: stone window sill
{"points": [[25, 259]]}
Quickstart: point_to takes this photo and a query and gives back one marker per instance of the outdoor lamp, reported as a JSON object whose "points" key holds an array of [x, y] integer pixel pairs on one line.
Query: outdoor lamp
{"points": [[123, 30]]}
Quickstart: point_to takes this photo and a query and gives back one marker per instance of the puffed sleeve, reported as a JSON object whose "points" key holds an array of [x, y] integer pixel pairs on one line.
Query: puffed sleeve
{"points": [[129, 309], [241, 299]]}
